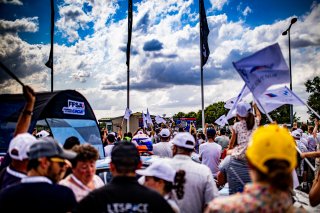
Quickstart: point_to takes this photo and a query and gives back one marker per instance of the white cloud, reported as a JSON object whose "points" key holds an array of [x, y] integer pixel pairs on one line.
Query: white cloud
{"points": [[15, 2], [218, 4], [246, 11], [19, 25]]}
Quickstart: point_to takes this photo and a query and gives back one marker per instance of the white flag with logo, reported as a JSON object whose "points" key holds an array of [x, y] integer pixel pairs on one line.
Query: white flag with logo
{"points": [[229, 103], [232, 111], [222, 121], [274, 98], [263, 69], [127, 113]]}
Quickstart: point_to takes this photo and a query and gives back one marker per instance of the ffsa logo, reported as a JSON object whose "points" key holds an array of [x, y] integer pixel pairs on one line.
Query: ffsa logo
{"points": [[74, 108]]}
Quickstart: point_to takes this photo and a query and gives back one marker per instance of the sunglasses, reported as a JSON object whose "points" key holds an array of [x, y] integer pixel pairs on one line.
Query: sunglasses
{"points": [[60, 161]]}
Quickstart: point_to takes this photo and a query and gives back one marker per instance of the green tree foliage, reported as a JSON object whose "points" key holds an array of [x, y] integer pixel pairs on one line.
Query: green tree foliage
{"points": [[179, 115], [214, 111], [313, 87], [280, 115]]}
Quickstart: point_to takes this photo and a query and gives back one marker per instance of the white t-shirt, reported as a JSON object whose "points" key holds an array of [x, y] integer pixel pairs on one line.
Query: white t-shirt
{"points": [[163, 149], [108, 149], [210, 153]]}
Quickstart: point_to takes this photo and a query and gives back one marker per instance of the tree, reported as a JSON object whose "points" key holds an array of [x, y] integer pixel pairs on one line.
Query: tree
{"points": [[179, 115], [313, 87], [280, 115], [214, 111]]}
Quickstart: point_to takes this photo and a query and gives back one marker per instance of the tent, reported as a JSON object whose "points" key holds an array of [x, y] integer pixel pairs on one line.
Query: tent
{"points": [[66, 113]]}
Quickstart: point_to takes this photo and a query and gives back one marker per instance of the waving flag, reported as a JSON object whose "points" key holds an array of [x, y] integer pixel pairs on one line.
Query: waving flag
{"points": [[127, 114], [144, 119], [229, 103], [263, 69], [204, 32], [160, 120], [274, 98], [222, 121], [148, 118], [232, 111]]}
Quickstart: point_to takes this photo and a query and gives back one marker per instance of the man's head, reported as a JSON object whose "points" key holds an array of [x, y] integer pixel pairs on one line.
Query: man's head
{"points": [[20, 145], [71, 142], [47, 158], [183, 143], [125, 159], [165, 134], [211, 133], [111, 138], [223, 131]]}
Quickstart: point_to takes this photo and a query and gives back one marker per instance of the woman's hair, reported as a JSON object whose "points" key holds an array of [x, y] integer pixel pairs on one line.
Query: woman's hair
{"points": [[85, 152], [278, 174], [178, 184], [250, 121]]}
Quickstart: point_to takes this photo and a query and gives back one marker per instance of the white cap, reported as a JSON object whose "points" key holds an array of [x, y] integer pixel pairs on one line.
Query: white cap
{"points": [[42, 134], [296, 134], [165, 133], [159, 169], [20, 145], [243, 109], [184, 139]]}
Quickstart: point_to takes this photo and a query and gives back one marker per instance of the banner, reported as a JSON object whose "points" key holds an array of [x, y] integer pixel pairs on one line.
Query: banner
{"points": [[263, 69]]}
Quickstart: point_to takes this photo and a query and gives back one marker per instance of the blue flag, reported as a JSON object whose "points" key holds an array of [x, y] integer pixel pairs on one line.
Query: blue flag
{"points": [[263, 69]]}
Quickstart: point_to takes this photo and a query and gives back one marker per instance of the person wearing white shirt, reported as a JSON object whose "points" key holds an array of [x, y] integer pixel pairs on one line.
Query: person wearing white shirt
{"points": [[163, 148]]}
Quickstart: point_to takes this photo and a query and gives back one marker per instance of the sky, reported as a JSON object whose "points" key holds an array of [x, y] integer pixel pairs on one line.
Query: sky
{"points": [[90, 49]]}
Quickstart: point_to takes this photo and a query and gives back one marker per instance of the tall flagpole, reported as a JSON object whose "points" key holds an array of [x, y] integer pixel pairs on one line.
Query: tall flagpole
{"points": [[204, 50], [49, 63], [128, 58]]}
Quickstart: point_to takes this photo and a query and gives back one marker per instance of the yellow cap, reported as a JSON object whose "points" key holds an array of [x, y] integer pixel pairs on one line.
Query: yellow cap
{"points": [[271, 142]]}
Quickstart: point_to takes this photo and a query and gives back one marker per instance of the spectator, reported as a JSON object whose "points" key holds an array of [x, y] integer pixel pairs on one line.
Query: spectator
{"points": [[242, 130], [123, 193], [272, 157], [223, 140], [160, 176], [46, 165], [200, 187], [83, 178], [110, 144], [18, 148], [210, 152], [163, 148], [71, 142]]}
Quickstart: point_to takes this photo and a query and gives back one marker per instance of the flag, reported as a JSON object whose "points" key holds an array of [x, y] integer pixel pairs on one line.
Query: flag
{"points": [[204, 32], [229, 103], [232, 111], [127, 113], [129, 31], [263, 69], [222, 121], [160, 120], [144, 119], [274, 98], [148, 118]]}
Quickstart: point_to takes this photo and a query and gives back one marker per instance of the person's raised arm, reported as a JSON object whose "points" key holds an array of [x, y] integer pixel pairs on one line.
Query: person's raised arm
{"points": [[314, 194], [315, 129], [24, 120], [257, 111]]}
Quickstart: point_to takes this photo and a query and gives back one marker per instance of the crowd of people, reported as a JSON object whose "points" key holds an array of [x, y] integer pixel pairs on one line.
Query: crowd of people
{"points": [[260, 165]]}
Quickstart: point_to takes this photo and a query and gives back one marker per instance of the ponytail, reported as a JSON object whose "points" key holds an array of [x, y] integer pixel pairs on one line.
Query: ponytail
{"points": [[178, 184]]}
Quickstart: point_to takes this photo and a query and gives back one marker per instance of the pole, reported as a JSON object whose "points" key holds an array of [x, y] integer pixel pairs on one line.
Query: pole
{"points": [[128, 58], [128, 95], [201, 65], [291, 106]]}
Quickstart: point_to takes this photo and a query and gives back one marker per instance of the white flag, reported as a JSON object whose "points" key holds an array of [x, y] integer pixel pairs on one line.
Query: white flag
{"points": [[160, 120], [148, 118], [229, 103], [274, 98], [232, 111], [222, 121], [263, 69], [127, 113], [144, 119]]}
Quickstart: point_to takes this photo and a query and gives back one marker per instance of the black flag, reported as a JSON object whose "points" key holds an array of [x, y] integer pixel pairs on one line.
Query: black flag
{"points": [[129, 31], [49, 63], [204, 32]]}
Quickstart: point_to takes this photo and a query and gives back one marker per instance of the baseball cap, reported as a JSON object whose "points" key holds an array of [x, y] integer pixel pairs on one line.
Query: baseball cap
{"points": [[271, 142], [125, 154], [48, 147], [165, 133], [20, 145], [42, 134], [184, 139], [243, 109], [159, 169], [296, 134]]}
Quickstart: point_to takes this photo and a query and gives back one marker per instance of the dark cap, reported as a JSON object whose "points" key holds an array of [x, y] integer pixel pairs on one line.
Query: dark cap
{"points": [[125, 154], [211, 132], [48, 147]]}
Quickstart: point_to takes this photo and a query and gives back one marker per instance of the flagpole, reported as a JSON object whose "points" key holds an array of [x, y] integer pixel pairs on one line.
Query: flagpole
{"points": [[128, 58], [49, 63], [201, 66]]}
